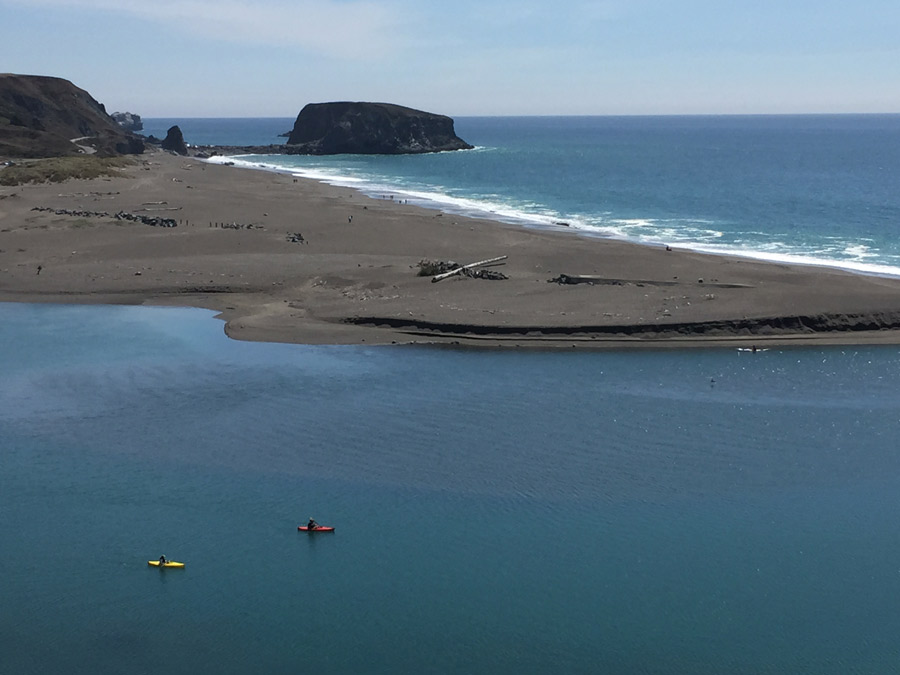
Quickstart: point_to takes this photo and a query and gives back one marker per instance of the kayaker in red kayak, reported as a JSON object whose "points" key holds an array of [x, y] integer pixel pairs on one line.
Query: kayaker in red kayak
{"points": [[312, 524]]}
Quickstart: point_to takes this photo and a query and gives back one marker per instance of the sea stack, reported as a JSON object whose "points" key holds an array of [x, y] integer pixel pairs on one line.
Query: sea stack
{"points": [[174, 141], [128, 121], [371, 129]]}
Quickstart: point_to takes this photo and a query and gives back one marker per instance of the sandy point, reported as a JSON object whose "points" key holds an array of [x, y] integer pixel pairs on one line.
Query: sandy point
{"points": [[292, 260]]}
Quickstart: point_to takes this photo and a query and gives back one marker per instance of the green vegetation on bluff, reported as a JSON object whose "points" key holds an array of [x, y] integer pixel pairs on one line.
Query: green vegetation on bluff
{"points": [[59, 169]]}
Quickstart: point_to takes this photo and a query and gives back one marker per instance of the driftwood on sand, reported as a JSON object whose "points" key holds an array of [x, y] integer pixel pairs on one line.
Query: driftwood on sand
{"points": [[458, 270]]}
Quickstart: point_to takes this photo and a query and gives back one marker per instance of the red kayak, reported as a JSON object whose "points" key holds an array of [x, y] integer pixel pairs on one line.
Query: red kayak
{"points": [[320, 528]]}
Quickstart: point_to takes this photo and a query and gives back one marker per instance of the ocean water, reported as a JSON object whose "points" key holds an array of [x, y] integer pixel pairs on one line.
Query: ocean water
{"points": [[496, 512], [222, 130], [818, 189]]}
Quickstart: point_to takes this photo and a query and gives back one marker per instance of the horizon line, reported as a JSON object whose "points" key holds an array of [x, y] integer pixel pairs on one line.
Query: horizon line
{"points": [[748, 114]]}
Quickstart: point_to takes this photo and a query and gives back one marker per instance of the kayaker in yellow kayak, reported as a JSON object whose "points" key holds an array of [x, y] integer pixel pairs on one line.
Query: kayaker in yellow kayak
{"points": [[162, 560]]}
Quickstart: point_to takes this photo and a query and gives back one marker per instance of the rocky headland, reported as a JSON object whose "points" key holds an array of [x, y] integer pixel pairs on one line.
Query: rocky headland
{"points": [[51, 117]]}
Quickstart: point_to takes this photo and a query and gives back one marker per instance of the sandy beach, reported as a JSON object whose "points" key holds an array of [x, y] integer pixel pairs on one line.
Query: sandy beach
{"points": [[291, 260]]}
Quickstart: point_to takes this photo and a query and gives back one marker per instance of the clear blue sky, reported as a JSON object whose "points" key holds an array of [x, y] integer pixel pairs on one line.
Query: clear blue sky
{"points": [[230, 58]]}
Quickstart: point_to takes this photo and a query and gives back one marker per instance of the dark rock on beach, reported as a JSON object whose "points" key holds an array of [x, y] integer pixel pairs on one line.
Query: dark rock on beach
{"points": [[174, 141], [370, 129], [130, 145]]}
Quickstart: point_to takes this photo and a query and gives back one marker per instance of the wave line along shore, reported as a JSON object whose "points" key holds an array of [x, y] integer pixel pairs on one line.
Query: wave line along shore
{"points": [[350, 277]]}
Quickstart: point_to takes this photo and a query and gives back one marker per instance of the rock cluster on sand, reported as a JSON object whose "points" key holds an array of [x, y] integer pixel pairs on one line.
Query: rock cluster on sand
{"points": [[155, 221], [370, 129]]}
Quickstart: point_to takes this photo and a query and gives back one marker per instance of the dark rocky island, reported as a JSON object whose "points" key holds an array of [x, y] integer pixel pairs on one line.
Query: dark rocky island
{"points": [[51, 117], [371, 129], [360, 129]]}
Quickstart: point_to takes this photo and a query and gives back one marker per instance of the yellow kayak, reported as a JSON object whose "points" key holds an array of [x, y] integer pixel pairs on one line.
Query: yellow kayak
{"points": [[168, 563]]}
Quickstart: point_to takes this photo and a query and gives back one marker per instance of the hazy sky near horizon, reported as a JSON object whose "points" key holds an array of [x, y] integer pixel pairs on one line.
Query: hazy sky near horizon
{"points": [[268, 58]]}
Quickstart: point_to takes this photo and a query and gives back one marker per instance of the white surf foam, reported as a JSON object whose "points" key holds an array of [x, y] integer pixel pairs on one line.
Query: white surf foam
{"points": [[688, 234]]}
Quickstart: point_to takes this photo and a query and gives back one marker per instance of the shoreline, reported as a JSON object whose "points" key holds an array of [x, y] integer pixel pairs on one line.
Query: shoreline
{"points": [[511, 215], [351, 276]]}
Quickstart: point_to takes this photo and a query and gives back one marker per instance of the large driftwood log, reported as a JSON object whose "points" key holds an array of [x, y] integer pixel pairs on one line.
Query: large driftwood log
{"points": [[465, 267]]}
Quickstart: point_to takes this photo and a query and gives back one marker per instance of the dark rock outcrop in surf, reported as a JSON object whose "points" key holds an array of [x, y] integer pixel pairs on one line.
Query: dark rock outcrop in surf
{"points": [[370, 129]]}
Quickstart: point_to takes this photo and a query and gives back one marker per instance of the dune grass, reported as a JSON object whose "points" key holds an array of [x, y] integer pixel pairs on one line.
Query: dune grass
{"points": [[59, 169]]}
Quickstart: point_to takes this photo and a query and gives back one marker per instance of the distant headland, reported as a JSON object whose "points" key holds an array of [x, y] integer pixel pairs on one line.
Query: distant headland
{"points": [[51, 117], [361, 128]]}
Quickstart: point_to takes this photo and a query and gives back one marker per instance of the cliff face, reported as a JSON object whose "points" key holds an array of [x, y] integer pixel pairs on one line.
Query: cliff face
{"points": [[370, 129], [43, 117]]}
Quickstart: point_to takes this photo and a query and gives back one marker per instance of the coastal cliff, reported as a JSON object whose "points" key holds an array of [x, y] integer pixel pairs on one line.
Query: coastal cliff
{"points": [[51, 117], [370, 129]]}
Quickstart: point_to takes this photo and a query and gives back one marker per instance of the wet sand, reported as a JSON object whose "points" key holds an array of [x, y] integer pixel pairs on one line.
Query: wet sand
{"points": [[352, 279]]}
